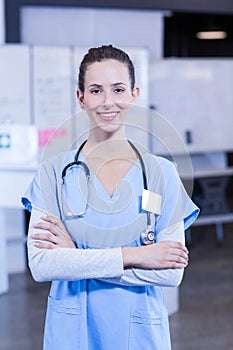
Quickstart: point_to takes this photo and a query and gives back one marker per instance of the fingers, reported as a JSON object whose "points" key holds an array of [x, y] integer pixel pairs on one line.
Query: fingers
{"points": [[171, 254], [176, 245], [42, 245], [51, 224], [177, 262], [53, 235], [178, 255], [53, 229], [47, 237], [50, 241], [53, 220]]}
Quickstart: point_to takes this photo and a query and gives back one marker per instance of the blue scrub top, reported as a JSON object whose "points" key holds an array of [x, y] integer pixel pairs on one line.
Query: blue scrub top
{"points": [[94, 314]]}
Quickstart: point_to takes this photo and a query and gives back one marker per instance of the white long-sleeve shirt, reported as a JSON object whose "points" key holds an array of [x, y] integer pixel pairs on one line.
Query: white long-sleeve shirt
{"points": [[76, 264]]}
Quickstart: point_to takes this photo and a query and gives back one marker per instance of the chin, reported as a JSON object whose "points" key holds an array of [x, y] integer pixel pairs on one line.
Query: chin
{"points": [[110, 128]]}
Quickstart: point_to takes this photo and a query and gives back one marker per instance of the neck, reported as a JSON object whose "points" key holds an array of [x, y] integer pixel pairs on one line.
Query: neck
{"points": [[108, 148]]}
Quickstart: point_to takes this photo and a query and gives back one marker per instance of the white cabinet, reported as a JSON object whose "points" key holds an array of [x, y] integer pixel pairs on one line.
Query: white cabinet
{"points": [[14, 181]]}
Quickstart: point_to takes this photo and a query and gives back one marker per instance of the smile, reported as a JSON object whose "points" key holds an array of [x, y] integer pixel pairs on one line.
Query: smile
{"points": [[107, 115]]}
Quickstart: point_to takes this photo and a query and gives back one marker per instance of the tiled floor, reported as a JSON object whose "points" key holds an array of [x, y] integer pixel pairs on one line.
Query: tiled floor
{"points": [[204, 321]]}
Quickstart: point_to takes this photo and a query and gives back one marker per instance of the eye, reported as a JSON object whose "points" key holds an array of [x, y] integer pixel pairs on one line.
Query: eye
{"points": [[95, 91], [119, 90]]}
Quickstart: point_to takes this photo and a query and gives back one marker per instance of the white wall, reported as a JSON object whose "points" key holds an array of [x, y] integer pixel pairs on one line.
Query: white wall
{"points": [[90, 27], [2, 22]]}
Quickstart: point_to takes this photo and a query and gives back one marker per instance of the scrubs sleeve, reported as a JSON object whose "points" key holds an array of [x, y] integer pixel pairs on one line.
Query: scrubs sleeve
{"points": [[176, 204], [42, 192]]}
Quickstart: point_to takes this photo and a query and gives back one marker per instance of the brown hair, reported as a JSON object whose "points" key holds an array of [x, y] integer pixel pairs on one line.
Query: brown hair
{"points": [[98, 54]]}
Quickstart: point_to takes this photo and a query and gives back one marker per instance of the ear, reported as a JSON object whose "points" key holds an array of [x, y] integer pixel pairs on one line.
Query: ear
{"points": [[80, 97], [135, 94]]}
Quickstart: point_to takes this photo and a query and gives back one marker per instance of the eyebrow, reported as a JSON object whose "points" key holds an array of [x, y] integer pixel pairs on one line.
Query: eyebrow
{"points": [[95, 85], [99, 86], [120, 83]]}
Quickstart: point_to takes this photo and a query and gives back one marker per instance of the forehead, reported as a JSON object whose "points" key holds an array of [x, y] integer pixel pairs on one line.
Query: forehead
{"points": [[107, 71]]}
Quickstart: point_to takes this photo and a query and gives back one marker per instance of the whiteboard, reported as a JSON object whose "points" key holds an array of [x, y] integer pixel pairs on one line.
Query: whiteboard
{"points": [[195, 96], [51, 76], [15, 84], [52, 85]]}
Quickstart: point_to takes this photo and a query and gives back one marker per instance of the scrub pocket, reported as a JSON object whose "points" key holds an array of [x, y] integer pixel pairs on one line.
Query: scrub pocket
{"points": [[62, 327], [149, 330]]}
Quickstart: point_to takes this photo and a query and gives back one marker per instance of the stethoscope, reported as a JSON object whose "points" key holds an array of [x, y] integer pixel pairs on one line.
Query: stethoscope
{"points": [[147, 236]]}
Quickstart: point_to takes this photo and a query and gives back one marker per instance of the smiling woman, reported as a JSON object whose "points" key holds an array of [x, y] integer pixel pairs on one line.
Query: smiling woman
{"points": [[106, 98], [107, 266]]}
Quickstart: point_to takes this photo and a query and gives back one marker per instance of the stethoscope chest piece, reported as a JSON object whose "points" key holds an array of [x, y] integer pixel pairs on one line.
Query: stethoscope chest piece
{"points": [[148, 236]]}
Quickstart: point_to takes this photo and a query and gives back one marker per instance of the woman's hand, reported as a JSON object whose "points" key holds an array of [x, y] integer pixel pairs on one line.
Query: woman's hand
{"points": [[161, 255], [55, 236]]}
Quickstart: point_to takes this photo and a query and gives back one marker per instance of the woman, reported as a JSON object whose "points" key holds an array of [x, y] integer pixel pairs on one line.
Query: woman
{"points": [[106, 284]]}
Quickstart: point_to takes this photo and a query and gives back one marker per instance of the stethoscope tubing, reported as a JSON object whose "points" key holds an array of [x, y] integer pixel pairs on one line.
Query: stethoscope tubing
{"points": [[148, 233]]}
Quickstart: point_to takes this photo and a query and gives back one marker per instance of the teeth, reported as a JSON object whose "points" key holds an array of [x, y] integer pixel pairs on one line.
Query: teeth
{"points": [[108, 115]]}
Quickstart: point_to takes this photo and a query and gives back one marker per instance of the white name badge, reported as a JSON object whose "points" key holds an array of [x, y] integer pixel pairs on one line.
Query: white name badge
{"points": [[151, 202]]}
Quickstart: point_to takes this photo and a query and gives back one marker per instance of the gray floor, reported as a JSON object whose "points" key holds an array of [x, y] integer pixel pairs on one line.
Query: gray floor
{"points": [[205, 319], [204, 322]]}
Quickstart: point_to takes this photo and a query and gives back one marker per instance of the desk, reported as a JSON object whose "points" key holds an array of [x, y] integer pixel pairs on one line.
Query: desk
{"points": [[14, 180]]}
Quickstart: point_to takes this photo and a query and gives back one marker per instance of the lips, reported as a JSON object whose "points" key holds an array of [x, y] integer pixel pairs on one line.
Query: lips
{"points": [[107, 116]]}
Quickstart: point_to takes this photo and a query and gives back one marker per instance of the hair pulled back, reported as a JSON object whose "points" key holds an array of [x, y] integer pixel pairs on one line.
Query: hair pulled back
{"points": [[104, 52]]}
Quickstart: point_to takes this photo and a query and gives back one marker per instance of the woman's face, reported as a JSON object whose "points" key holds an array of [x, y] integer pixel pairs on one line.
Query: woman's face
{"points": [[107, 94]]}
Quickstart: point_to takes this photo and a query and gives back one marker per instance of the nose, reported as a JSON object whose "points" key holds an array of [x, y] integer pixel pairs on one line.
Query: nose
{"points": [[107, 99]]}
